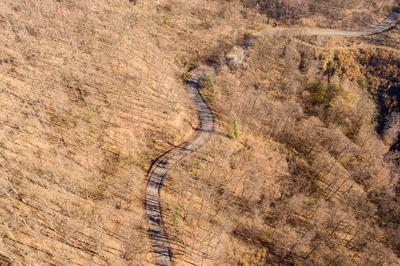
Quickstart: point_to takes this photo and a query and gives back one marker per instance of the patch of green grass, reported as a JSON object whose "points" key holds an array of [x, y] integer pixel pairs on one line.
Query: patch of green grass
{"points": [[175, 216], [92, 117], [235, 132], [198, 166], [210, 90], [176, 219]]}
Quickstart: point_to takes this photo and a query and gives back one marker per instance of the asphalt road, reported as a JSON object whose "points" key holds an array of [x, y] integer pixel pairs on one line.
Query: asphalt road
{"points": [[390, 22], [165, 162]]}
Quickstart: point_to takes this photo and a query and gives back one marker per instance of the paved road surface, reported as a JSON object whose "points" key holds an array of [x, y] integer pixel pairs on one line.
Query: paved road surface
{"points": [[389, 23], [164, 163]]}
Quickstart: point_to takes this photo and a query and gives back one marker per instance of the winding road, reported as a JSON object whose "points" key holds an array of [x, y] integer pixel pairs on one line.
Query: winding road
{"points": [[387, 24], [166, 162]]}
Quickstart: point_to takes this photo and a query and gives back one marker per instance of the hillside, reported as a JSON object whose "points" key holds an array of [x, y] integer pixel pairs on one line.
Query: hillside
{"points": [[309, 181], [88, 99], [337, 13], [301, 166]]}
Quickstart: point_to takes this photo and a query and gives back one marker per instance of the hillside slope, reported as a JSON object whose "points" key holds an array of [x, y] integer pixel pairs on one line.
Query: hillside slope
{"points": [[296, 172], [332, 14], [88, 98]]}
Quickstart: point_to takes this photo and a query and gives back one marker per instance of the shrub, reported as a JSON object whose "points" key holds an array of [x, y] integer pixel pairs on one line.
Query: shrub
{"points": [[235, 58], [318, 92], [396, 8], [207, 81], [218, 52], [188, 66]]}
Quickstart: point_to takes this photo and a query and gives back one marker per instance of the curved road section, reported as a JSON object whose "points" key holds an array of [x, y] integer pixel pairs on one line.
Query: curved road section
{"points": [[164, 163], [390, 22]]}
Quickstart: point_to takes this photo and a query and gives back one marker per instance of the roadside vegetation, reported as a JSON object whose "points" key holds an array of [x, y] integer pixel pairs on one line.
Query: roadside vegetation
{"points": [[308, 179], [396, 8], [337, 13], [303, 167]]}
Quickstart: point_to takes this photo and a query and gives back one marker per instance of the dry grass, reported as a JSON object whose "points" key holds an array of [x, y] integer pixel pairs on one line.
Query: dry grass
{"points": [[88, 99], [299, 185], [90, 94], [335, 14]]}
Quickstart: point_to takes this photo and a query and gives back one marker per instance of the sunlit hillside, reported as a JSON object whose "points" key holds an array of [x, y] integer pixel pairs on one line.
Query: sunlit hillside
{"points": [[302, 167]]}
